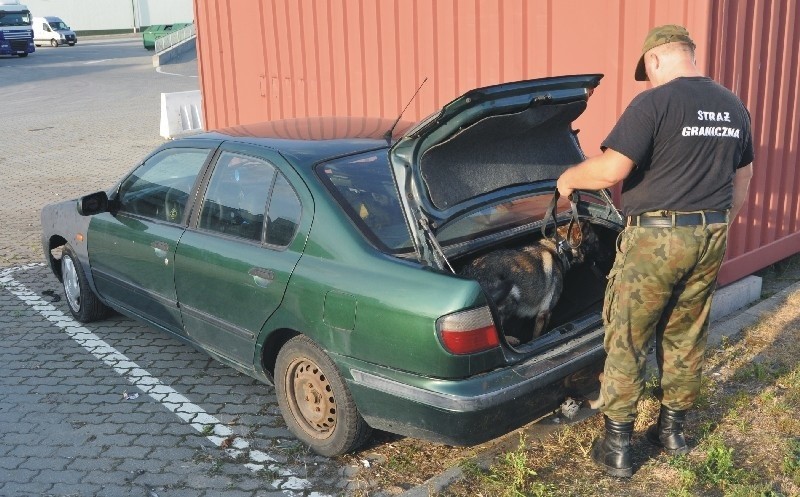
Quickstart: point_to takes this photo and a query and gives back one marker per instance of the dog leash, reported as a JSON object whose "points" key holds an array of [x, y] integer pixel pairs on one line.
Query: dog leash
{"points": [[562, 245]]}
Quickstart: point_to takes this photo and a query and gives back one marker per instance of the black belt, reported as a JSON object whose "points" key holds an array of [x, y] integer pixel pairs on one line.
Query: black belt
{"points": [[669, 220]]}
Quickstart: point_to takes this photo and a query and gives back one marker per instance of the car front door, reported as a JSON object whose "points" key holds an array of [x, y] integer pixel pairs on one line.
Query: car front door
{"points": [[233, 264], [132, 248]]}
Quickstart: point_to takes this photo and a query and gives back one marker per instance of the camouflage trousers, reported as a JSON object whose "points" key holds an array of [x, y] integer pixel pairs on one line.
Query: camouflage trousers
{"points": [[660, 285]]}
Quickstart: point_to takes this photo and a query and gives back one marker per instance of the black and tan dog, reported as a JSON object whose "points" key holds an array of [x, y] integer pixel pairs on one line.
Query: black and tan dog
{"points": [[526, 283]]}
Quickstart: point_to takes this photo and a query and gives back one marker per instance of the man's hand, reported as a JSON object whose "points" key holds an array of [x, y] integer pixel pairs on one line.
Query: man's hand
{"points": [[563, 189], [741, 182], [596, 173]]}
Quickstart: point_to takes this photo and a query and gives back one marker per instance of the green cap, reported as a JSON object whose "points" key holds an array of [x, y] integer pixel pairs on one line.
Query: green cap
{"points": [[660, 35]]}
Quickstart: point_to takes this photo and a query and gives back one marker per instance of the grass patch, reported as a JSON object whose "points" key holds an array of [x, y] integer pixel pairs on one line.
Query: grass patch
{"points": [[217, 465], [268, 474], [404, 462], [752, 372], [715, 471], [718, 469], [791, 462], [511, 476]]}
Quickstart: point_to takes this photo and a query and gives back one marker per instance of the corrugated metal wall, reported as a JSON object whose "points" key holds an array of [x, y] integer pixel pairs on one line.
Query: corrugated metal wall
{"points": [[756, 47], [276, 59], [288, 58]]}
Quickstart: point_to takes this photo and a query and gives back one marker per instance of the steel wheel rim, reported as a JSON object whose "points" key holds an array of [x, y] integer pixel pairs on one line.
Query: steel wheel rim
{"points": [[72, 287], [311, 399]]}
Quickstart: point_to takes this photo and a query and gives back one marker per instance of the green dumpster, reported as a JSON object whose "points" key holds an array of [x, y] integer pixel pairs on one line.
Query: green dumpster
{"points": [[156, 31]]}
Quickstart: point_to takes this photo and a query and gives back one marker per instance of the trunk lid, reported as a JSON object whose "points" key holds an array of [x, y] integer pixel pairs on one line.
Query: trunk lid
{"points": [[490, 144]]}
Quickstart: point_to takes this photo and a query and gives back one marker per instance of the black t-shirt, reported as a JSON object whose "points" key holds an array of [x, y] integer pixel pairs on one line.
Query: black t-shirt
{"points": [[687, 138]]}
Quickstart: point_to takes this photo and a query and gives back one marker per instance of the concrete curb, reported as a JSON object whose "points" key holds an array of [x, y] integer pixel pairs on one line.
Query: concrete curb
{"points": [[175, 51], [727, 322]]}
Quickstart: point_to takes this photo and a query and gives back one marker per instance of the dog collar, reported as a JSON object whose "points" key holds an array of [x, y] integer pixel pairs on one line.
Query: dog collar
{"points": [[564, 251]]}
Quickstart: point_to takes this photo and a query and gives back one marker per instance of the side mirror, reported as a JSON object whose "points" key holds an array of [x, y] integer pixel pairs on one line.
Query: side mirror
{"points": [[93, 204]]}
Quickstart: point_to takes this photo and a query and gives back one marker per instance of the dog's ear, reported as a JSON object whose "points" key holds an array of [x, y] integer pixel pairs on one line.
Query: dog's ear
{"points": [[573, 233], [588, 234]]}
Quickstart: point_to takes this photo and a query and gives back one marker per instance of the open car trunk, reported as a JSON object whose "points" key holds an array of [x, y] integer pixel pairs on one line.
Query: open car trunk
{"points": [[579, 304], [475, 181]]}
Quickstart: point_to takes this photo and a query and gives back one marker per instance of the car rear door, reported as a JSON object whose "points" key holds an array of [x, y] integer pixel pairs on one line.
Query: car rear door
{"points": [[132, 248], [233, 264]]}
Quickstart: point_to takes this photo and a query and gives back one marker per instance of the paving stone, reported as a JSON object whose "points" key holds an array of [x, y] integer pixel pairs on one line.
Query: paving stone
{"points": [[72, 490], [14, 489], [107, 478], [61, 412], [123, 490], [10, 462], [46, 464]]}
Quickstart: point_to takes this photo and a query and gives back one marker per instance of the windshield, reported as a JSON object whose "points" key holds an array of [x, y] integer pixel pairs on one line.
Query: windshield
{"points": [[364, 187], [59, 25], [22, 18]]}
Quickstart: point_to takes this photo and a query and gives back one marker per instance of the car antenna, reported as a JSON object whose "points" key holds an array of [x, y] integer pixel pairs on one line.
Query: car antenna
{"points": [[388, 135]]}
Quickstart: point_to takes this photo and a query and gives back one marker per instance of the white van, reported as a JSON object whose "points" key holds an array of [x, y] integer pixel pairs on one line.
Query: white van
{"points": [[52, 30]]}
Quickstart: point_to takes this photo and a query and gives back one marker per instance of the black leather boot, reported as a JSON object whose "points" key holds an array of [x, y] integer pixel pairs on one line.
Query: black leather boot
{"points": [[613, 452], [668, 432]]}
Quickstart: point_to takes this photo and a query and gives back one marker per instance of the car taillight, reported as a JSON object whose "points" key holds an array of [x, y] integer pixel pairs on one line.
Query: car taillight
{"points": [[467, 332]]}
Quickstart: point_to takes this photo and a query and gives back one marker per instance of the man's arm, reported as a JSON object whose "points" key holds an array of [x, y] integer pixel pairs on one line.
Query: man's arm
{"points": [[596, 173], [741, 182]]}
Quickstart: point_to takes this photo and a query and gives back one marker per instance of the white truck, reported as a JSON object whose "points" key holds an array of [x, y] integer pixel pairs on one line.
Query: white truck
{"points": [[52, 30], [16, 34]]}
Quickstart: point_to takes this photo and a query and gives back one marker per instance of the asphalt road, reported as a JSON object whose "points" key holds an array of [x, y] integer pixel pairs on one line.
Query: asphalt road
{"points": [[113, 407]]}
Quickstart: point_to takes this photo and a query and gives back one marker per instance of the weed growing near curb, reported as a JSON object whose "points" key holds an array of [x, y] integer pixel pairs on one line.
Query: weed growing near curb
{"points": [[511, 476]]}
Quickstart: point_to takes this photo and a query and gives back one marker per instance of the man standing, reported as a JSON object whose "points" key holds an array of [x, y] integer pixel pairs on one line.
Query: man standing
{"points": [[683, 151]]}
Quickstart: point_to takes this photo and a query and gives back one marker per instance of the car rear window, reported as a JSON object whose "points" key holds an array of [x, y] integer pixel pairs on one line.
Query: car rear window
{"points": [[515, 213], [364, 187]]}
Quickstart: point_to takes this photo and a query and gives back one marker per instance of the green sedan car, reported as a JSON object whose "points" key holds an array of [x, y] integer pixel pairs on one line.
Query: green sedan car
{"points": [[325, 256]]}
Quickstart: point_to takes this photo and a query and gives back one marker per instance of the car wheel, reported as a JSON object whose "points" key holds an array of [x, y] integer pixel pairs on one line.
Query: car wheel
{"points": [[83, 303], [54, 43], [315, 401]]}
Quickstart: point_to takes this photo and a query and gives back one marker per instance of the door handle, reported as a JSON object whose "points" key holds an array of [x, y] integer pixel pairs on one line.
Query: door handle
{"points": [[160, 248], [261, 276]]}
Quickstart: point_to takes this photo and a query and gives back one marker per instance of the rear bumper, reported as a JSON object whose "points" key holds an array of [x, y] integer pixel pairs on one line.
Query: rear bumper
{"points": [[476, 409]]}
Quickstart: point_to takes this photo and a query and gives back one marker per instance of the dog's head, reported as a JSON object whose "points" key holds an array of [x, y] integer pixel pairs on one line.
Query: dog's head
{"points": [[582, 240]]}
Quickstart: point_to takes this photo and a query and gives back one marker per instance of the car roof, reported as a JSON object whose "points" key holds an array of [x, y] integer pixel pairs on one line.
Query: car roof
{"points": [[309, 140]]}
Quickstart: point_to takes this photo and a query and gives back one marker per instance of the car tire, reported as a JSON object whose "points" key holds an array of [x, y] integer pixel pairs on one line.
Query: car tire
{"points": [[53, 42], [81, 300], [314, 400]]}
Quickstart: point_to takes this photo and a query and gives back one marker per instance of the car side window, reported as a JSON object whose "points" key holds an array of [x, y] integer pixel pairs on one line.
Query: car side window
{"points": [[363, 185], [284, 212], [236, 197], [159, 188]]}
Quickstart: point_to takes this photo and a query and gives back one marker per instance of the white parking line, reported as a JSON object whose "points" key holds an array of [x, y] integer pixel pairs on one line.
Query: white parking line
{"points": [[167, 396], [97, 61]]}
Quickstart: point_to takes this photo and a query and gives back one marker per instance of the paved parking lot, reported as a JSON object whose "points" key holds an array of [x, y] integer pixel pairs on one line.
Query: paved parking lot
{"points": [[113, 407]]}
